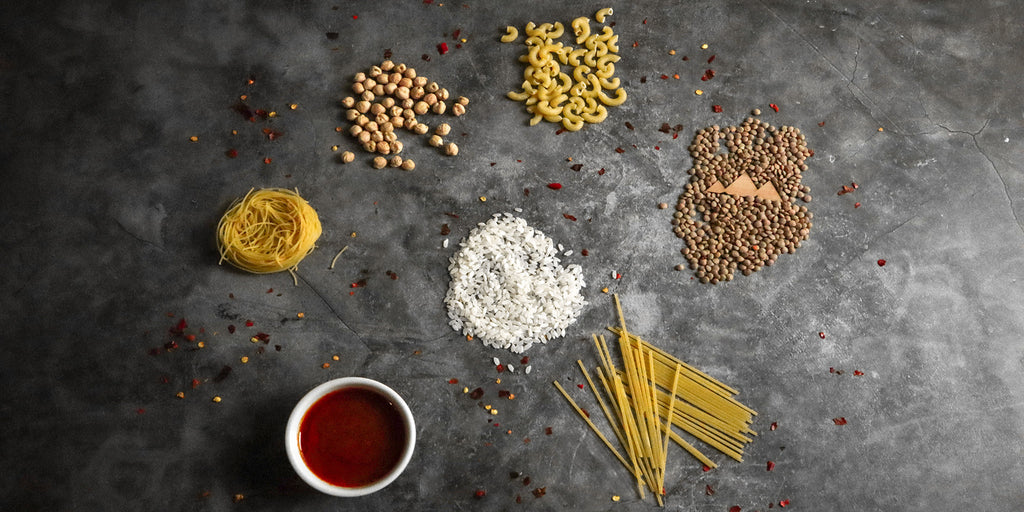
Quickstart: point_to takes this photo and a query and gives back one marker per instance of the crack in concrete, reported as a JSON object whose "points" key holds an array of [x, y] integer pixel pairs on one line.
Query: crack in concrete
{"points": [[329, 305], [1002, 179]]}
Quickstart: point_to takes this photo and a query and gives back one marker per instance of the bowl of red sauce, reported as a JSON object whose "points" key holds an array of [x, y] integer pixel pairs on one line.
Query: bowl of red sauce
{"points": [[350, 436]]}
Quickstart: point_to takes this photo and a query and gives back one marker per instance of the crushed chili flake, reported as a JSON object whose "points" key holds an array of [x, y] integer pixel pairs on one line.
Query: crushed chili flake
{"points": [[665, 128], [708, 75], [845, 190], [554, 186], [249, 323], [426, 57], [480, 493], [821, 123], [657, 148], [643, 79], [821, 335], [881, 263], [839, 421], [453, 381], [445, 230], [685, 57], [716, 109], [476, 394], [547, 431], [527, 480], [500, 368], [771, 465], [711, 59], [774, 426], [525, 360], [856, 205], [140, 411], [664, 77], [858, 373], [601, 172], [577, 167], [735, 508], [620, 150], [774, 107], [584, 252], [231, 153], [630, 125], [570, 217], [526, 192], [540, 491], [560, 131], [442, 48], [231, 329], [709, 490], [706, 468], [452, 215], [784, 503], [223, 374]]}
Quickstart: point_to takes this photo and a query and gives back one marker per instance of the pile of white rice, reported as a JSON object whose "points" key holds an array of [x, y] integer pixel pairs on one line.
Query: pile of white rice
{"points": [[508, 288]]}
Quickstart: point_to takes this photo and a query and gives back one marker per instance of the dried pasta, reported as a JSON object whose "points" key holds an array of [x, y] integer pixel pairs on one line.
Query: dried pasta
{"points": [[583, 91], [268, 230]]}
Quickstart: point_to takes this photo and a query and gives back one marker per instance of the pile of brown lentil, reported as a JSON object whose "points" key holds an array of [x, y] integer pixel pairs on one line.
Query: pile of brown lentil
{"points": [[724, 233], [388, 98]]}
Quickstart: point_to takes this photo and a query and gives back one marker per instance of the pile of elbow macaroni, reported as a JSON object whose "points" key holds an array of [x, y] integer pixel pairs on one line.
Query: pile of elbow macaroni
{"points": [[558, 97]]}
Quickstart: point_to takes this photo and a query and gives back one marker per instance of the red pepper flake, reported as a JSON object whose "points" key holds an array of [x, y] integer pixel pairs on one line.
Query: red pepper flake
{"points": [[845, 190], [784, 503], [453, 381], [708, 75], [821, 123], [231, 329], [771, 465], [540, 491], [854, 185], [332, 35], [685, 57], [577, 167], [479, 494], [630, 125], [774, 107], [856, 205], [451, 214], [527, 480], [643, 79], [425, 57], [191, 337], [445, 230], [881, 263], [839, 421], [140, 411], [664, 77], [476, 394], [355, 16], [500, 368], [858, 373], [272, 134], [526, 192], [547, 431], [223, 374], [554, 186], [231, 153], [711, 59], [636, 43], [710, 491], [706, 468], [262, 336], [645, 21], [821, 335], [774, 426], [249, 323], [735, 508], [195, 383], [570, 217], [455, 35], [503, 393], [618, 275], [620, 150], [716, 109], [601, 172], [584, 252], [442, 48], [171, 345], [560, 131], [267, 160]]}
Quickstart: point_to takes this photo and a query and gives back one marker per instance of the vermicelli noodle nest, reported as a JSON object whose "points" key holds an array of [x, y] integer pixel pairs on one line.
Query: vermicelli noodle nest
{"points": [[269, 230]]}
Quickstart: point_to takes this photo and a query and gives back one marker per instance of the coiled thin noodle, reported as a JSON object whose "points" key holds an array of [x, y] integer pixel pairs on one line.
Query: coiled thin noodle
{"points": [[269, 230]]}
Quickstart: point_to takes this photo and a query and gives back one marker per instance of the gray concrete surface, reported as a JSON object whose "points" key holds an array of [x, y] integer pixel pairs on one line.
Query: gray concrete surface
{"points": [[109, 213]]}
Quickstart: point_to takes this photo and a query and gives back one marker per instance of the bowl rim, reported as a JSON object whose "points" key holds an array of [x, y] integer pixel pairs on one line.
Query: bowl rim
{"points": [[318, 392]]}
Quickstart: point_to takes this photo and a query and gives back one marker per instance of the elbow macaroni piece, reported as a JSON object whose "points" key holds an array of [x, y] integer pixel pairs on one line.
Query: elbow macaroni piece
{"points": [[580, 96]]}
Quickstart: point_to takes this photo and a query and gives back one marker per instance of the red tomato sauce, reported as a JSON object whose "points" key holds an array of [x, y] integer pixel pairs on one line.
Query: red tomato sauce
{"points": [[352, 437]]}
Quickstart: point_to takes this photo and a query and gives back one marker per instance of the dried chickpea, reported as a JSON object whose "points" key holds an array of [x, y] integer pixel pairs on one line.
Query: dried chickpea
{"points": [[395, 110], [410, 73], [405, 82], [390, 138], [359, 77], [379, 162], [369, 84], [421, 107], [395, 161], [390, 88], [351, 114], [458, 109], [407, 103], [376, 136], [387, 65], [363, 137], [355, 130], [397, 146], [358, 88], [367, 96], [401, 67], [409, 113], [442, 94], [408, 165], [451, 149], [386, 126], [432, 87], [348, 102], [370, 147], [462, 101], [363, 106], [416, 92], [443, 129], [378, 90], [348, 157], [439, 107], [394, 78], [436, 141], [430, 99], [383, 147], [381, 118], [388, 102], [419, 81], [421, 128], [362, 120], [375, 71], [398, 121], [402, 93], [371, 126], [376, 108]]}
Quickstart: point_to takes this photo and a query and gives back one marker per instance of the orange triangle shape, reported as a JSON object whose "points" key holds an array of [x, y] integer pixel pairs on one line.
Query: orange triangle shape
{"points": [[717, 187], [768, 191], [743, 186]]}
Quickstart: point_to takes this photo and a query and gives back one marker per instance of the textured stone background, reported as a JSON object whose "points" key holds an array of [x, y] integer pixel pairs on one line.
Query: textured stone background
{"points": [[109, 210]]}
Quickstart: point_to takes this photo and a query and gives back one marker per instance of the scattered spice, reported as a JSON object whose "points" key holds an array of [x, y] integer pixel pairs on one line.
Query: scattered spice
{"points": [[554, 186], [479, 494], [476, 394], [620, 150], [442, 48], [821, 335], [223, 374], [784, 503], [881, 263], [774, 426], [735, 508], [774, 107], [539, 492], [708, 490], [716, 109], [839, 421], [711, 59], [577, 167], [771, 465], [858, 373], [547, 431], [570, 217], [231, 153], [453, 381]]}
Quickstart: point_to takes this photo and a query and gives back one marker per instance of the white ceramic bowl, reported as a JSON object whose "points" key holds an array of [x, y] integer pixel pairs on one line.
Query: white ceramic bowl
{"points": [[295, 421]]}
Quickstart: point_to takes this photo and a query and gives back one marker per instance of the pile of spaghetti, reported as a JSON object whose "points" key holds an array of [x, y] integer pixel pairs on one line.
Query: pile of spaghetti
{"points": [[268, 230], [654, 393]]}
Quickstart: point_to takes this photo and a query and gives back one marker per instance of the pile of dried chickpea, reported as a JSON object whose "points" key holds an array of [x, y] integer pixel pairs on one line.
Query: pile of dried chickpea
{"points": [[388, 98]]}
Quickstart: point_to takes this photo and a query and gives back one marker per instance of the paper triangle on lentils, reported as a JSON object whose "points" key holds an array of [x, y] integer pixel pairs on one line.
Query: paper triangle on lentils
{"points": [[744, 186]]}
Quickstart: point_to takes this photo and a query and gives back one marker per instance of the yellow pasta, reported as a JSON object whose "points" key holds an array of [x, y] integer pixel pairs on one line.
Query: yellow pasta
{"points": [[511, 34], [268, 230], [549, 93], [653, 394]]}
